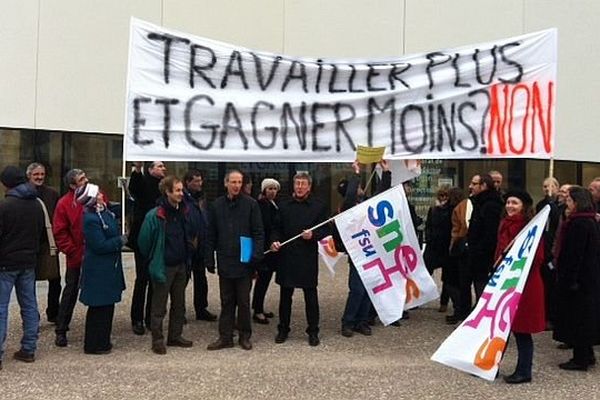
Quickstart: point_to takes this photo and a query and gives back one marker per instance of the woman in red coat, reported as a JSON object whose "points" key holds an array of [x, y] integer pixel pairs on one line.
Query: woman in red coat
{"points": [[530, 315]]}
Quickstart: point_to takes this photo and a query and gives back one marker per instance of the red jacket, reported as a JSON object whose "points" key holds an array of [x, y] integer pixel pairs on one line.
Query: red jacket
{"points": [[530, 316], [67, 226]]}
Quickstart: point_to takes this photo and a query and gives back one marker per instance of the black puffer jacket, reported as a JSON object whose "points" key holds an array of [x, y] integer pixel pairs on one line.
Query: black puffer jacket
{"points": [[21, 228], [228, 220]]}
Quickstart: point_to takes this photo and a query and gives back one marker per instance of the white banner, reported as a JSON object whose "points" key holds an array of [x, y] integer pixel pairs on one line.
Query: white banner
{"points": [[381, 241], [191, 98], [329, 254], [476, 346]]}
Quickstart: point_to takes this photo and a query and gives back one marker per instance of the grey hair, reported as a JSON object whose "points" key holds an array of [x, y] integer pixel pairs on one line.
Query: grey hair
{"points": [[72, 175], [302, 175], [33, 166], [232, 171]]}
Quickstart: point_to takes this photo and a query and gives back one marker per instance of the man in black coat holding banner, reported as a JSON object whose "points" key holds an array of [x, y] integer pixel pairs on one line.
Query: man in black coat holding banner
{"points": [[299, 267]]}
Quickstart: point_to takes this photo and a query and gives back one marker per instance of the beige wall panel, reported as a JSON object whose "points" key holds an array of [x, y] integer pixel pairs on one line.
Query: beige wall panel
{"points": [[83, 62], [18, 43], [344, 28], [437, 24], [578, 86], [256, 24]]}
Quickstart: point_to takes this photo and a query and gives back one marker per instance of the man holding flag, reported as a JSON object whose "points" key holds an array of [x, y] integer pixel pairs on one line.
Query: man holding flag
{"points": [[299, 266], [358, 304]]}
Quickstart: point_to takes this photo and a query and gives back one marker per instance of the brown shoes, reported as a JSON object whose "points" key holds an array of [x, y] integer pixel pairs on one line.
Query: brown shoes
{"points": [[245, 343], [23, 356], [180, 342], [219, 344], [159, 348]]}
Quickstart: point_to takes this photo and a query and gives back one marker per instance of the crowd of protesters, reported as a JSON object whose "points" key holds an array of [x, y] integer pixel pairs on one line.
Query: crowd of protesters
{"points": [[467, 238], [177, 235]]}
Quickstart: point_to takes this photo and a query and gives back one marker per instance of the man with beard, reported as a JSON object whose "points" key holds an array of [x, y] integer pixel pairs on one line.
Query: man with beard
{"points": [[48, 267], [299, 266], [165, 241], [483, 230]]}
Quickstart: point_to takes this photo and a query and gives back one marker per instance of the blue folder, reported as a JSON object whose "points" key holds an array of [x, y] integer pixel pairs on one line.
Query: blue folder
{"points": [[246, 249]]}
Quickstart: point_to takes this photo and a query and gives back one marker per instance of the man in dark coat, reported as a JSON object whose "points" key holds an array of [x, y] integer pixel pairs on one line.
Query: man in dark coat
{"points": [[299, 266], [21, 231], [194, 200], [144, 189], [48, 267], [483, 230], [234, 226]]}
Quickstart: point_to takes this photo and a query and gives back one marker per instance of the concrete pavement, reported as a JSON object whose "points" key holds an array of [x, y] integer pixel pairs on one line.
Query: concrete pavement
{"points": [[393, 363]]}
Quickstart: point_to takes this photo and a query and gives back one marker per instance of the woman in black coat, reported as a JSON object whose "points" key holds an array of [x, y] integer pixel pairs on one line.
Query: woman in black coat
{"points": [[268, 209], [578, 309]]}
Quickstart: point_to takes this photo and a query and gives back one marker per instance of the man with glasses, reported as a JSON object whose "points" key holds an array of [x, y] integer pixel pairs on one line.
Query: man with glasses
{"points": [[483, 229]]}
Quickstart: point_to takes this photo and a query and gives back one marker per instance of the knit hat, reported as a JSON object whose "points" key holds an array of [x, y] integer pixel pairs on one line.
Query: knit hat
{"points": [[12, 176], [521, 195], [86, 195], [342, 186], [269, 182]]}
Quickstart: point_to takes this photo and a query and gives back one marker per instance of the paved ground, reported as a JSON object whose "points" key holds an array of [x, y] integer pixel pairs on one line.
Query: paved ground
{"points": [[393, 363]]}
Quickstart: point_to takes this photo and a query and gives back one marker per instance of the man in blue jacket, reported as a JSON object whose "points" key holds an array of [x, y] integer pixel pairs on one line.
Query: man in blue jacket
{"points": [[21, 230]]}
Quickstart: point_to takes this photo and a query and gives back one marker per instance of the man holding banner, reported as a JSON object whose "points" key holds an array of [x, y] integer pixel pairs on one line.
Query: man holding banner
{"points": [[358, 304], [299, 266]]}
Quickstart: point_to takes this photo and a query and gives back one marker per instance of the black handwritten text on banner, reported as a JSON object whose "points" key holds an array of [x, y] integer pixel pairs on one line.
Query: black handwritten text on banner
{"points": [[191, 98]]}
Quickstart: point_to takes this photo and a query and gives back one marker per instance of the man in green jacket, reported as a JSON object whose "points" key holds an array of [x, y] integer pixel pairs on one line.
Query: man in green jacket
{"points": [[166, 240]]}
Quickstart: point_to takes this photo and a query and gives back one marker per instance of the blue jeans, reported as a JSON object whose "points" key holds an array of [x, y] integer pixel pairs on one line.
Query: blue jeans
{"points": [[358, 303], [24, 283]]}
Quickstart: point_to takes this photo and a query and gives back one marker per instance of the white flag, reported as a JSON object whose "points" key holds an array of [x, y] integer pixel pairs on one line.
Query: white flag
{"points": [[329, 254], [476, 346], [381, 241]]}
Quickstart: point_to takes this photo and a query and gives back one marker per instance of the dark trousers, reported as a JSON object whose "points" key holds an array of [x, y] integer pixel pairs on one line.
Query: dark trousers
{"points": [[311, 306], [525, 353], [260, 290], [549, 279], [200, 290], [98, 326], [54, 289], [235, 292], [470, 275], [174, 288], [142, 299], [450, 285], [583, 355], [358, 303], [68, 300], [465, 280]]}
